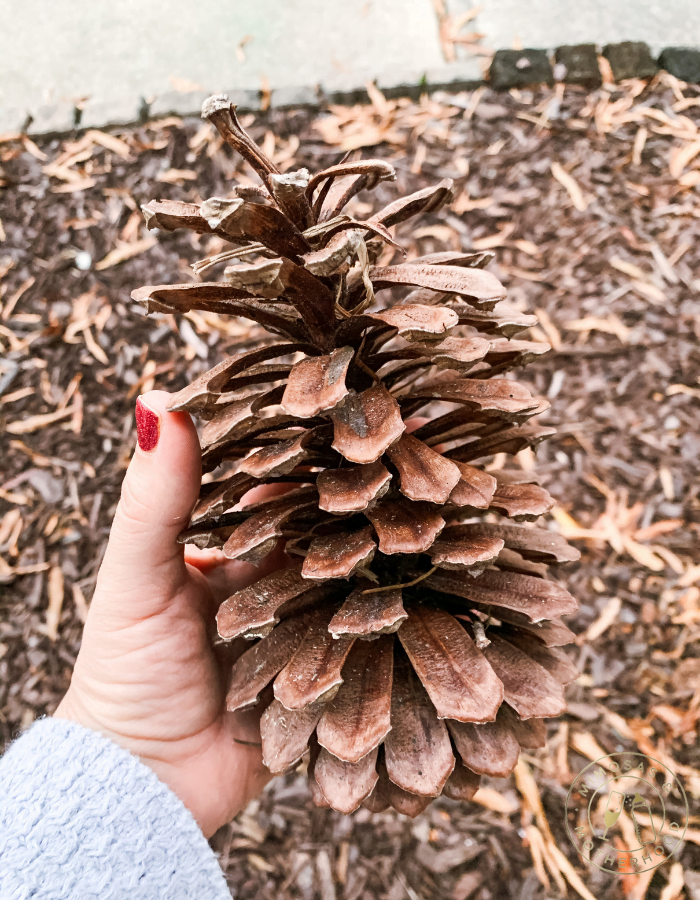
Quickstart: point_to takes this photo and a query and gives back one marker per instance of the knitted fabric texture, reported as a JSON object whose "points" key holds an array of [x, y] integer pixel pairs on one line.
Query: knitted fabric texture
{"points": [[82, 818]]}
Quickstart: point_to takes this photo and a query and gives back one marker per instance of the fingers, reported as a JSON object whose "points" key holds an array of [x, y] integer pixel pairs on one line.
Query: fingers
{"points": [[144, 562], [226, 576]]}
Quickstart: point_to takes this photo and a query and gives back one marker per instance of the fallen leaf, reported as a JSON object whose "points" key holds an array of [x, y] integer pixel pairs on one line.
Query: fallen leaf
{"points": [[588, 746], [74, 186], [628, 268], [177, 176], [126, 251], [640, 140], [676, 882], [464, 203], [610, 325], [377, 99], [638, 188], [692, 574], [494, 240], [538, 851], [527, 786], [665, 526], [15, 298], [34, 423], [94, 347], [10, 497], [679, 157], [669, 557], [650, 292], [56, 592], [110, 142], [570, 873], [550, 329], [682, 389], [527, 247], [603, 622], [571, 186], [526, 274], [642, 554], [690, 179], [495, 801], [183, 86], [570, 528]]}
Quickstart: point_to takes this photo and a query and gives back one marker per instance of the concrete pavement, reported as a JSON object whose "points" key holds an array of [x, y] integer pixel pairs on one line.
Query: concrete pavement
{"points": [[107, 63]]}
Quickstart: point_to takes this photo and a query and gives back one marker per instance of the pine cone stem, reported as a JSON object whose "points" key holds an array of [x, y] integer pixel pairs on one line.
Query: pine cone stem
{"points": [[222, 114]]}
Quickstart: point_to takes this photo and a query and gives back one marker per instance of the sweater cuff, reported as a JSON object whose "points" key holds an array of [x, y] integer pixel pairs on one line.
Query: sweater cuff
{"points": [[82, 817]]}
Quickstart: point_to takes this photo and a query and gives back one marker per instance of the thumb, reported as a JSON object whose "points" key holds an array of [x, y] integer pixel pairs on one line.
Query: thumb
{"points": [[143, 559]]}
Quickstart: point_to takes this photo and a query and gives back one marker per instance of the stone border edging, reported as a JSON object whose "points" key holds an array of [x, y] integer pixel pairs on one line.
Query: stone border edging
{"points": [[579, 64]]}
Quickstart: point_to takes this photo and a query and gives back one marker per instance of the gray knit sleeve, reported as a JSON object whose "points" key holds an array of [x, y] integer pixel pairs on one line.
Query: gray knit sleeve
{"points": [[82, 818]]}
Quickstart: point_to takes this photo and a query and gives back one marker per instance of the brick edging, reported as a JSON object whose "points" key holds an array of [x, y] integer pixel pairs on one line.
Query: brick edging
{"points": [[578, 64]]}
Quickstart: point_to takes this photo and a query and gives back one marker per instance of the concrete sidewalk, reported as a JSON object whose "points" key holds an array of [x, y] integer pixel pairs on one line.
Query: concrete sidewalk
{"points": [[109, 63], [126, 54]]}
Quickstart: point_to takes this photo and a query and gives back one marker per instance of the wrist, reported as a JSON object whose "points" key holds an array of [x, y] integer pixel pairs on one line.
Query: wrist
{"points": [[73, 709], [174, 776]]}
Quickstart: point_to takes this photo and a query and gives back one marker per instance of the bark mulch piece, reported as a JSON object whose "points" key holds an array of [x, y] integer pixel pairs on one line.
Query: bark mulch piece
{"points": [[590, 203]]}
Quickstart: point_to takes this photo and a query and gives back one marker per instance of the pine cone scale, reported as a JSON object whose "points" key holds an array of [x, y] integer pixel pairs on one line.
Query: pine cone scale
{"points": [[418, 752], [366, 425], [346, 784], [254, 608], [478, 287], [285, 734], [253, 671], [455, 673], [317, 384], [368, 613], [339, 555], [528, 688], [352, 489], [536, 598], [453, 551], [462, 783], [488, 749], [314, 672], [358, 718], [423, 473], [405, 527]]}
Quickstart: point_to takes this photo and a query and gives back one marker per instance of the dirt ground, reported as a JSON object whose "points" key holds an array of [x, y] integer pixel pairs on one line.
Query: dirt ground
{"points": [[590, 203]]}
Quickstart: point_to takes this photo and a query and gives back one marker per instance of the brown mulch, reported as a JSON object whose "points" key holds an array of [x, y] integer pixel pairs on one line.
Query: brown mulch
{"points": [[590, 202]]}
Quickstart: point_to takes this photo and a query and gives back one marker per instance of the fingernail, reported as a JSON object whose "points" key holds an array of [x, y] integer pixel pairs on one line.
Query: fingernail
{"points": [[147, 427]]}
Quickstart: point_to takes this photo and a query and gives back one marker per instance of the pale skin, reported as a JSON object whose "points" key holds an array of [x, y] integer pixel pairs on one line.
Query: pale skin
{"points": [[147, 675]]}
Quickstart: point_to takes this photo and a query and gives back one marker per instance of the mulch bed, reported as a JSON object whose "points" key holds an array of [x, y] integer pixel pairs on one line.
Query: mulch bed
{"points": [[590, 203]]}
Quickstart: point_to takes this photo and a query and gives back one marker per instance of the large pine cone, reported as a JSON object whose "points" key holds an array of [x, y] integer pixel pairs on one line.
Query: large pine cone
{"points": [[414, 648]]}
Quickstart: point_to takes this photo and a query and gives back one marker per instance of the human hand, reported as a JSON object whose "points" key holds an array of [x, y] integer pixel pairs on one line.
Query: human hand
{"points": [[147, 675]]}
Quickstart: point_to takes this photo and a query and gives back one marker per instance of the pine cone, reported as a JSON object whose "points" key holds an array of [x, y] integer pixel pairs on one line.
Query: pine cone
{"points": [[413, 645]]}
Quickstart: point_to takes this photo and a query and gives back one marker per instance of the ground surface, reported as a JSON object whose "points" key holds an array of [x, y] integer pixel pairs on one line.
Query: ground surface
{"points": [[590, 204]]}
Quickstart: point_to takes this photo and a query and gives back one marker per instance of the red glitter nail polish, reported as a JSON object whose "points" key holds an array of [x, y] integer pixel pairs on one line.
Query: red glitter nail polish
{"points": [[147, 427]]}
